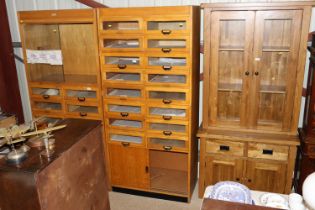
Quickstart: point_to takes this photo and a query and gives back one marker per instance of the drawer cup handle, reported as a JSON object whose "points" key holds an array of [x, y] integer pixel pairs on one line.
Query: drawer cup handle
{"points": [[167, 133], [46, 96], [224, 148], [167, 68], [167, 117], [166, 31], [124, 114], [122, 66], [167, 101], [167, 148], [83, 114], [166, 50], [267, 152], [81, 99], [125, 144]]}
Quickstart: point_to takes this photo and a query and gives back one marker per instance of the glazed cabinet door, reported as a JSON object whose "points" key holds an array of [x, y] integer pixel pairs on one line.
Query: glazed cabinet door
{"points": [[219, 168], [266, 176], [276, 52], [129, 166], [231, 45]]}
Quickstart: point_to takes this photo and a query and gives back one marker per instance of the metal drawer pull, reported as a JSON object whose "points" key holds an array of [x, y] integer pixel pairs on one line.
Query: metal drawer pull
{"points": [[124, 114], [46, 96], [125, 144], [83, 114], [167, 68], [81, 99], [167, 117], [122, 66], [267, 152], [166, 31], [167, 101], [167, 148], [167, 133], [224, 148], [166, 50]]}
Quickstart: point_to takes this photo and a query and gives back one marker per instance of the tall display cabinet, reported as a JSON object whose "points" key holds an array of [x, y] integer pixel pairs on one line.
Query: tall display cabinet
{"points": [[150, 72], [253, 72]]}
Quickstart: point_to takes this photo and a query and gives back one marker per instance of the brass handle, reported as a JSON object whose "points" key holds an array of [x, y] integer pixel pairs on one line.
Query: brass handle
{"points": [[167, 101], [237, 179], [167, 148], [83, 114], [249, 180], [256, 73], [167, 117], [167, 133], [166, 50], [247, 73], [46, 96], [122, 66], [166, 31], [124, 114], [167, 68], [81, 99], [125, 144], [147, 169]]}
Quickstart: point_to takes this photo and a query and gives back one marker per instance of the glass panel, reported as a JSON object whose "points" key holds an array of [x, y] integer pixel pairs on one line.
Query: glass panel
{"points": [[167, 43], [48, 105], [168, 142], [167, 127], [167, 112], [122, 76], [277, 34], [271, 108], [125, 138], [167, 95], [125, 123], [229, 105], [120, 25], [122, 60], [81, 93], [232, 34], [83, 109], [124, 108], [121, 43], [156, 61], [161, 78], [170, 25], [46, 91], [131, 93]]}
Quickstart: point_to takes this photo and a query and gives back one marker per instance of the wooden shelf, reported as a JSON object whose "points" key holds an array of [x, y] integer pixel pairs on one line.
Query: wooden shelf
{"points": [[231, 48], [276, 49], [230, 87], [273, 89]]}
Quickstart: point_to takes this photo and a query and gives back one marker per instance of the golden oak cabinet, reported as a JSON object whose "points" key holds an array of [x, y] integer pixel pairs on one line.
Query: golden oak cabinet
{"points": [[150, 74], [253, 73], [61, 63]]}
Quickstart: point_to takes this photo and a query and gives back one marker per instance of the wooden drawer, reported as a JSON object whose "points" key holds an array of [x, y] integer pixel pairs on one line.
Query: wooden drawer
{"points": [[82, 94], [122, 61], [50, 107], [168, 96], [268, 151], [46, 92], [120, 25], [162, 61], [167, 113], [225, 147], [124, 92], [168, 25], [167, 144], [124, 109], [126, 138], [122, 123], [167, 45], [167, 79], [91, 111], [123, 77], [155, 127], [121, 43]]}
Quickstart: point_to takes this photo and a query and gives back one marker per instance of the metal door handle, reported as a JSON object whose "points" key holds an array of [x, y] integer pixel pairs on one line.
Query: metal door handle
{"points": [[167, 133], [167, 68], [167, 148], [167, 101], [122, 66], [125, 144], [166, 50], [83, 114], [167, 117], [46, 96], [166, 31], [124, 114], [81, 99]]}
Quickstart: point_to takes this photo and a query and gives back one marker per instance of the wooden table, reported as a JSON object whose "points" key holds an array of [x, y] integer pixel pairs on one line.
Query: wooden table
{"points": [[210, 204]]}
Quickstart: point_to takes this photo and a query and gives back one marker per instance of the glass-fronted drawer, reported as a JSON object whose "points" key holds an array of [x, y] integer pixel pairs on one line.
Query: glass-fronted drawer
{"points": [[80, 111], [82, 95], [47, 93], [167, 45], [161, 79], [167, 129], [124, 93], [167, 63], [167, 113], [168, 26], [125, 124], [47, 107], [126, 138], [122, 25], [168, 96], [128, 43], [122, 61], [123, 109], [123, 77], [167, 144]]}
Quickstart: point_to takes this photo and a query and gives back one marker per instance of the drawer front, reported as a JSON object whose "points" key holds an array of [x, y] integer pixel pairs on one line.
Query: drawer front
{"points": [[167, 45], [168, 96], [268, 151], [121, 43], [83, 111], [126, 138], [125, 124], [224, 147], [120, 61], [82, 94], [167, 144], [121, 25], [123, 93], [166, 62], [48, 107], [167, 79], [168, 25], [46, 93], [167, 113], [123, 77], [167, 129], [124, 109]]}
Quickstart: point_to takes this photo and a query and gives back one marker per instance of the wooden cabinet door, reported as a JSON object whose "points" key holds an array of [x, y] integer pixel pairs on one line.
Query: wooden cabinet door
{"points": [[219, 168], [276, 52], [129, 166], [266, 176], [231, 45]]}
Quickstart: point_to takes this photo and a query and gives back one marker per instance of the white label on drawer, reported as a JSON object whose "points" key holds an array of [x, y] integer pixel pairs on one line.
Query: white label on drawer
{"points": [[88, 88], [52, 57]]}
